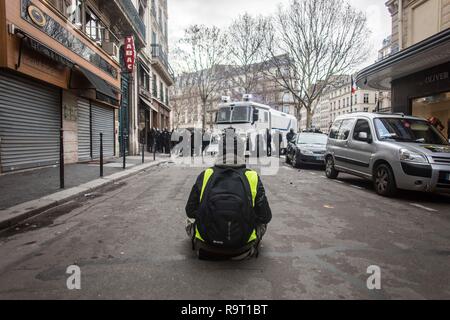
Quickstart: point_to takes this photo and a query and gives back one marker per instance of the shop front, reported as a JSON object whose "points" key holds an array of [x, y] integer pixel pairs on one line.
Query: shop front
{"points": [[419, 79], [53, 80], [30, 122]]}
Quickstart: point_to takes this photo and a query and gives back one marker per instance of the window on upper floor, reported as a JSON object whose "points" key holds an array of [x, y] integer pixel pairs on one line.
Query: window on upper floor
{"points": [[161, 91], [71, 9], [154, 86], [425, 19], [144, 78], [366, 98], [141, 11], [94, 27]]}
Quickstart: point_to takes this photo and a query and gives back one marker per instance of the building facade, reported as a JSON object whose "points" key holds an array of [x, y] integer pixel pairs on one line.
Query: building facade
{"points": [[61, 75], [418, 73], [338, 99], [154, 73]]}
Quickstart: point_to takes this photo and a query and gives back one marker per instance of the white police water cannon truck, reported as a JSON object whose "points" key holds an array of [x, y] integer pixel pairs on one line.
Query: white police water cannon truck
{"points": [[255, 120]]}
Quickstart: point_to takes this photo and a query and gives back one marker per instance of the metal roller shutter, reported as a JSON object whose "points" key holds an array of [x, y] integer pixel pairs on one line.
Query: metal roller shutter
{"points": [[30, 121], [84, 131], [102, 121]]}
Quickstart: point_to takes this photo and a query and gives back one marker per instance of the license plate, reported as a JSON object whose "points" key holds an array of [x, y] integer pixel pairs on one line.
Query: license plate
{"points": [[320, 158]]}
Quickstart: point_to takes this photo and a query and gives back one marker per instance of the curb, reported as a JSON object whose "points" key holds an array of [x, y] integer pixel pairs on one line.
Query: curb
{"points": [[13, 215]]}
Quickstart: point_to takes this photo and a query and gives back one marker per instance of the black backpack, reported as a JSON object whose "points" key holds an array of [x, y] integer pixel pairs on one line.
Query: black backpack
{"points": [[226, 218]]}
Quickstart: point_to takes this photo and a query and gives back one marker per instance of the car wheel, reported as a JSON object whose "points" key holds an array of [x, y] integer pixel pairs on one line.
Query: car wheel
{"points": [[330, 171], [384, 181]]}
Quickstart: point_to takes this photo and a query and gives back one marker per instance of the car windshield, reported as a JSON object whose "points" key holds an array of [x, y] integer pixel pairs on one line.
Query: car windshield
{"points": [[408, 130], [308, 138], [233, 114]]}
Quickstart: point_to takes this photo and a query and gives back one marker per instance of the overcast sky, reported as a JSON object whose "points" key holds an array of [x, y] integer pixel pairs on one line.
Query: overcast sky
{"points": [[221, 12]]}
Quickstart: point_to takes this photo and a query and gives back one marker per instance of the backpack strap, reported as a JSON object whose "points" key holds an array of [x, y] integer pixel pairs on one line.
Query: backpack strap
{"points": [[252, 177], [208, 173], [206, 177]]}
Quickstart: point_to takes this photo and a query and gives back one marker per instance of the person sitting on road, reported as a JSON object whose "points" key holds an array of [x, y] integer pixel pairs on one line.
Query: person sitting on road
{"points": [[227, 210]]}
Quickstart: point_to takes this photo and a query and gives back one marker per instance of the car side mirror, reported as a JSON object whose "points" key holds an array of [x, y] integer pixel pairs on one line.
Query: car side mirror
{"points": [[363, 136]]}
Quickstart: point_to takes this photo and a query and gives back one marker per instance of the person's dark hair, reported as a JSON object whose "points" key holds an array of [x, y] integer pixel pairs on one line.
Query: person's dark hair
{"points": [[231, 155]]}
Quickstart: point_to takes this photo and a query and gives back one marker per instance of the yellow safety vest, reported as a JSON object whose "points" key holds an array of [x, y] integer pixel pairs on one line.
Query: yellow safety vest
{"points": [[252, 177]]}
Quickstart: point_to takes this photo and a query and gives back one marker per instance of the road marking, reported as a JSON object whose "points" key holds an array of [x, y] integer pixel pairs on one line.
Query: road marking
{"points": [[423, 207]]}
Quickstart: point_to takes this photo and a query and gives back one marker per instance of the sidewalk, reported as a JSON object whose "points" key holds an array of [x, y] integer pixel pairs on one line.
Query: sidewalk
{"points": [[30, 192]]}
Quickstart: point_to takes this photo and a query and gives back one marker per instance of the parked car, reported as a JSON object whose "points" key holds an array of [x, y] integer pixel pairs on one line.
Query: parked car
{"points": [[307, 148], [393, 150]]}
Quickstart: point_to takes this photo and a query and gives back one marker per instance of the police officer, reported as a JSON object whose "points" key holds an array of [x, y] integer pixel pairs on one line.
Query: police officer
{"points": [[290, 135]]}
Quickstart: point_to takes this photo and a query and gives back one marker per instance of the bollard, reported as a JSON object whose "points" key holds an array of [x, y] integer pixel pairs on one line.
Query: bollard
{"points": [[101, 154], [143, 145], [154, 151], [61, 158], [123, 149]]}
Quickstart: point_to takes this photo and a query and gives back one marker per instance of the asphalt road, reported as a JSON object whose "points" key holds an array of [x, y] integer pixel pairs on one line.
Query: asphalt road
{"points": [[130, 243]]}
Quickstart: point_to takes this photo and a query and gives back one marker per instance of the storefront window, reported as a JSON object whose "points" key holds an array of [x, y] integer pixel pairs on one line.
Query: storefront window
{"points": [[435, 109]]}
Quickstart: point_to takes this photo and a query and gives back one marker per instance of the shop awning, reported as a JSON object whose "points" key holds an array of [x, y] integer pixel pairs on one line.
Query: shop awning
{"points": [[99, 84], [426, 54], [148, 103]]}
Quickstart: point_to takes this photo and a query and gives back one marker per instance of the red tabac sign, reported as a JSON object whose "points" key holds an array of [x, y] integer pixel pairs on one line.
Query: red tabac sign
{"points": [[130, 53]]}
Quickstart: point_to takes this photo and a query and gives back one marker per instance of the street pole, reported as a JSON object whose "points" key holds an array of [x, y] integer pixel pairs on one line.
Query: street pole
{"points": [[101, 154], [123, 142], [61, 158], [143, 146]]}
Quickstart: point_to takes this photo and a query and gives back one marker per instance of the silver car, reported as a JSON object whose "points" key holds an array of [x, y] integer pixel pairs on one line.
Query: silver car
{"points": [[392, 150]]}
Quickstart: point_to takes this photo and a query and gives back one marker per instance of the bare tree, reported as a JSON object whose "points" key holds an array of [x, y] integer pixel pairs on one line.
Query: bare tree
{"points": [[200, 54], [317, 40], [247, 36]]}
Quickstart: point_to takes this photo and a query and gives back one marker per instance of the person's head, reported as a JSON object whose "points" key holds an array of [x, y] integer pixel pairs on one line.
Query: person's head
{"points": [[231, 149], [292, 130]]}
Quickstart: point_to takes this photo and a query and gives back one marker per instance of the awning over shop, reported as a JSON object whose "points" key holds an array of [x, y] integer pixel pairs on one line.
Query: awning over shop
{"points": [[31, 43], [105, 91], [421, 56], [147, 103]]}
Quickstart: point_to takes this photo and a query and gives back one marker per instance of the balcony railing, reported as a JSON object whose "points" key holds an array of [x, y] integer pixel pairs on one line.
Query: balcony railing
{"points": [[158, 52], [128, 7]]}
